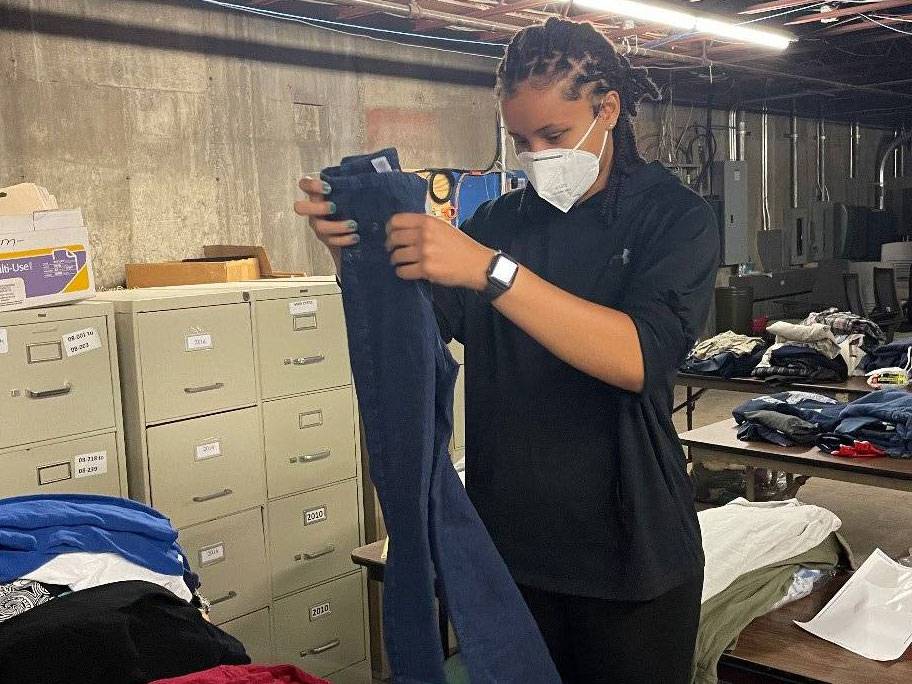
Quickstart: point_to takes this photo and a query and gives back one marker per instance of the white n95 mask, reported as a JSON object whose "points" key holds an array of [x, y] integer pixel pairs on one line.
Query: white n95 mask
{"points": [[561, 176]]}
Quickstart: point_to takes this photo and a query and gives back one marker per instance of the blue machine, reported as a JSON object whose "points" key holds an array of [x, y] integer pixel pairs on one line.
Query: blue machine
{"points": [[475, 189]]}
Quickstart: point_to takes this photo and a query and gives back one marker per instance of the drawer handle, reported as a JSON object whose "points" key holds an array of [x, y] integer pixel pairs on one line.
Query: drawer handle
{"points": [[210, 497], [305, 360], [227, 597], [304, 556], [315, 456], [205, 388], [318, 650], [54, 392]]}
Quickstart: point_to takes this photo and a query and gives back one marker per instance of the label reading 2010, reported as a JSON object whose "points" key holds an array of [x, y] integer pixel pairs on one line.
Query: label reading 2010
{"points": [[315, 515], [320, 611]]}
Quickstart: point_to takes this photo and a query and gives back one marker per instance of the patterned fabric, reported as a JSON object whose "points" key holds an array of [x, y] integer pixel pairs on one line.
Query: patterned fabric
{"points": [[844, 323], [740, 345], [22, 595]]}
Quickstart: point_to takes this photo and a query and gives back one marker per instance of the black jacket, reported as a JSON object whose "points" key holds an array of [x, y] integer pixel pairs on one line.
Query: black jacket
{"points": [[582, 485]]}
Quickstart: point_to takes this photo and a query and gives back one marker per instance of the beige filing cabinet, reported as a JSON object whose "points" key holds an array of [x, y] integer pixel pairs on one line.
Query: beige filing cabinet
{"points": [[61, 426], [242, 428]]}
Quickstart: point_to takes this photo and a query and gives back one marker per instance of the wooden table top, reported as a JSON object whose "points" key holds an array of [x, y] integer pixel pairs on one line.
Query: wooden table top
{"points": [[723, 437], [774, 642], [855, 387]]}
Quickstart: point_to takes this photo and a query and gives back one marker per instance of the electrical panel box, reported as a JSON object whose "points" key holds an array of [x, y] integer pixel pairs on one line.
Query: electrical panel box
{"points": [[729, 183], [798, 236]]}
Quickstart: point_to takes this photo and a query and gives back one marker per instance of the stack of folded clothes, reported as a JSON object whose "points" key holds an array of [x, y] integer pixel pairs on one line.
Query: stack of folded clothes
{"points": [[758, 557], [844, 323], [805, 352], [787, 418], [727, 355], [894, 355], [883, 418], [95, 589]]}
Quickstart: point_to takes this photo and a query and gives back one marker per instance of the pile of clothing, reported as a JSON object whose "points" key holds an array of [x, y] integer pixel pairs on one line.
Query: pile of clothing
{"points": [[845, 323], [247, 674], [894, 355], [787, 418], [759, 556], [809, 352], [727, 355], [97, 589], [882, 418]]}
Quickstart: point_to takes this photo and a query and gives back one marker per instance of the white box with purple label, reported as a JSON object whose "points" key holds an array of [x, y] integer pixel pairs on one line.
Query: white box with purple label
{"points": [[45, 260]]}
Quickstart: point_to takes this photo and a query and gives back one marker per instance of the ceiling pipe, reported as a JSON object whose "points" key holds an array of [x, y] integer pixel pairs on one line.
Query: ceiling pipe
{"points": [[854, 140], [793, 151], [742, 137], [880, 181], [822, 192], [764, 166]]}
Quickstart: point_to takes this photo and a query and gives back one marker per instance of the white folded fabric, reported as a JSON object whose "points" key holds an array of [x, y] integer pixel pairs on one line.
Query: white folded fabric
{"points": [[81, 571], [744, 536]]}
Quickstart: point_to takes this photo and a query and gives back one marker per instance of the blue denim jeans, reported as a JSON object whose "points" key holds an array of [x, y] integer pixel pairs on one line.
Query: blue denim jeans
{"points": [[405, 376]]}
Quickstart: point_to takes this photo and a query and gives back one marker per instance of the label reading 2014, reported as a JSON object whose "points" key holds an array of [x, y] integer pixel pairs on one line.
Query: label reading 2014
{"points": [[81, 341]]}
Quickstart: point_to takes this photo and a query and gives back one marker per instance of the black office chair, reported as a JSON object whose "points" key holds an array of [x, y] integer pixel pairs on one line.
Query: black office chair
{"points": [[853, 293], [888, 312]]}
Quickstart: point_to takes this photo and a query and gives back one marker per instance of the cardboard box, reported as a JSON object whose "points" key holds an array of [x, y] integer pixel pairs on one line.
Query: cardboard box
{"points": [[257, 252], [192, 272], [45, 260]]}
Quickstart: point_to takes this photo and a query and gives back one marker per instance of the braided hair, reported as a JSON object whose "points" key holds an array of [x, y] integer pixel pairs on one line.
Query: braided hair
{"points": [[576, 55]]}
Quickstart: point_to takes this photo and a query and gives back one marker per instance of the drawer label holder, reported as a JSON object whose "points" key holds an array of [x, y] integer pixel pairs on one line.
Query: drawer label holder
{"points": [[81, 342], [312, 516], [198, 342], [302, 307], [207, 450], [4, 341], [321, 610], [210, 555]]}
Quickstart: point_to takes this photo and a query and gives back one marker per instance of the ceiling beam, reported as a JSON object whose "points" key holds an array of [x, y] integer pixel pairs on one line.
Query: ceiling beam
{"points": [[774, 6], [852, 11], [858, 25], [490, 11]]}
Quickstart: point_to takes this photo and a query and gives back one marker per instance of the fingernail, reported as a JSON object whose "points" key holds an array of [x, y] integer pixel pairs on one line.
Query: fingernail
{"points": [[355, 239], [327, 188], [332, 207], [353, 225]]}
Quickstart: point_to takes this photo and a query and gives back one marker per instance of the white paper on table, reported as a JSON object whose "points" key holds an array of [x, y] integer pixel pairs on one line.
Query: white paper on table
{"points": [[872, 614]]}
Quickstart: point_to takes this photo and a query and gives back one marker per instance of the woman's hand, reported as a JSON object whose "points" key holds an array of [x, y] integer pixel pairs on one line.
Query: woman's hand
{"points": [[334, 234], [426, 247]]}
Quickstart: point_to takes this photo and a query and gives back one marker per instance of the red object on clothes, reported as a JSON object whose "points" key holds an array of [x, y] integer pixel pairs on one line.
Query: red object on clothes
{"points": [[246, 674]]}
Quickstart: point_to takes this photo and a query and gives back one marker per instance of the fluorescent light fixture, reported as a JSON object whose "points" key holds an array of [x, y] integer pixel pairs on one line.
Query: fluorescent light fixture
{"points": [[690, 22]]}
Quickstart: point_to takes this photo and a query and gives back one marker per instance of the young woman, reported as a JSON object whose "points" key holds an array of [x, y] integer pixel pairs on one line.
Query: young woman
{"points": [[576, 299]]}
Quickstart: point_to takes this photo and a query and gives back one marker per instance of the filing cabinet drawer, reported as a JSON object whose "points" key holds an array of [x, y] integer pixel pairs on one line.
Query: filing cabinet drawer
{"points": [[356, 674], [204, 468], [322, 630], [312, 535], [302, 345], [310, 441], [459, 410], [55, 380], [229, 555], [85, 466], [196, 361], [254, 632]]}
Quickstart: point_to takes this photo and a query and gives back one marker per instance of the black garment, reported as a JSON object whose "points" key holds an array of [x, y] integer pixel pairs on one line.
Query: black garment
{"points": [[595, 641], [777, 428], [122, 633], [725, 364], [796, 362], [895, 354], [822, 411], [582, 485]]}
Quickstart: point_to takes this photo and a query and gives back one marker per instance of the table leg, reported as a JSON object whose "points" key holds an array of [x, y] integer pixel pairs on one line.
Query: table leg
{"points": [[750, 483], [690, 408]]}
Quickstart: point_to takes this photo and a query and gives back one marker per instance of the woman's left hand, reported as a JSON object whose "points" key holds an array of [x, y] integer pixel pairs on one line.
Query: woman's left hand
{"points": [[426, 247]]}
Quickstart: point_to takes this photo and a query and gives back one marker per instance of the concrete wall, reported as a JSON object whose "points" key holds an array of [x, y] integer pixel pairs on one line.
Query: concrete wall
{"points": [[176, 125]]}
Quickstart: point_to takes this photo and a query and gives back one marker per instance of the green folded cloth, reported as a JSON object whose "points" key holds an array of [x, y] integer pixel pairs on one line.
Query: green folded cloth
{"points": [[725, 615]]}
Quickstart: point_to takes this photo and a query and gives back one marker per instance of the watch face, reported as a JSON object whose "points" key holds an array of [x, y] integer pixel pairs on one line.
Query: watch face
{"points": [[504, 270]]}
